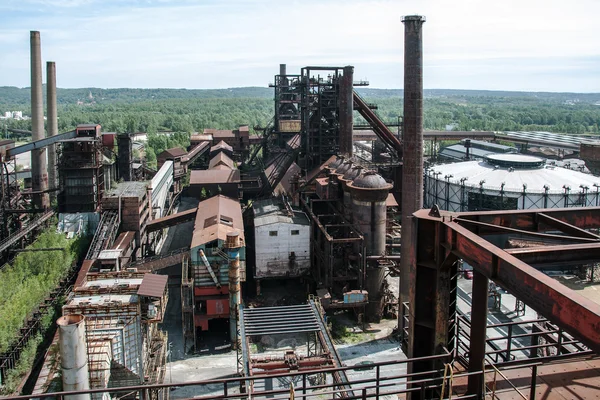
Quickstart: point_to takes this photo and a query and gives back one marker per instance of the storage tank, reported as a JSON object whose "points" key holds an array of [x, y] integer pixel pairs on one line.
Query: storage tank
{"points": [[348, 177], [369, 192], [508, 182]]}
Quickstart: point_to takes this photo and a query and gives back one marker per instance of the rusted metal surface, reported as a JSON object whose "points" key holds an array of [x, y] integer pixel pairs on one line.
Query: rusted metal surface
{"points": [[562, 306], [346, 109], [39, 170], [478, 331], [171, 220], [412, 141], [153, 285], [52, 125]]}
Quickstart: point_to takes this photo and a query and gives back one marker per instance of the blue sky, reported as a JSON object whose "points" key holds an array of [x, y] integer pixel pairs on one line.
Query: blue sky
{"points": [[530, 45]]}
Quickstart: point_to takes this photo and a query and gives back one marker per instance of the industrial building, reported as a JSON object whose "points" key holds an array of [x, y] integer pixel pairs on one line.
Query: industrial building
{"points": [[508, 182], [315, 211], [281, 240]]}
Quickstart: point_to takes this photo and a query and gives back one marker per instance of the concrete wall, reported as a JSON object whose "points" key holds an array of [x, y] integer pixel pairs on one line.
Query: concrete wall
{"points": [[273, 252]]}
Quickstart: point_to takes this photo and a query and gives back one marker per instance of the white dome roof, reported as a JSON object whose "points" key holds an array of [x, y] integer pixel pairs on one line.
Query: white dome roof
{"points": [[514, 179]]}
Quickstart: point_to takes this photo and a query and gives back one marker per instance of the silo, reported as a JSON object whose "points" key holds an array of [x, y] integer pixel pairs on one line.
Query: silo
{"points": [[73, 355], [369, 192]]}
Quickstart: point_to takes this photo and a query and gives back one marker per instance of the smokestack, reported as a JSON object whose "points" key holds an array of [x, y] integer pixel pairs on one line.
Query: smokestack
{"points": [[52, 125], [282, 70], [346, 109], [73, 355], [412, 168], [233, 244], [468, 149], [39, 173]]}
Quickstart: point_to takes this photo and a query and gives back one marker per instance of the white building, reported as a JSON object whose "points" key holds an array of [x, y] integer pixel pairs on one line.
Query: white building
{"points": [[508, 182], [282, 240]]}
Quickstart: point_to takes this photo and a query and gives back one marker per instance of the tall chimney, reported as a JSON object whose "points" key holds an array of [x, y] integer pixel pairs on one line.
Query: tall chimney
{"points": [[282, 70], [73, 355], [346, 110], [52, 125], [412, 168], [39, 173], [233, 244]]}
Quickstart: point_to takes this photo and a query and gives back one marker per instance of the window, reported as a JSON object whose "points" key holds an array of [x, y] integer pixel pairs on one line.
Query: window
{"points": [[272, 233], [295, 232]]}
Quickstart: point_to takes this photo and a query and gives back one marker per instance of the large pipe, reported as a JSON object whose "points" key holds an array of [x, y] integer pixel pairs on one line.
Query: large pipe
{"points": [[73, 355], [346, 110], [412, 168], [39, 173], [52, 125], [233, 244]]}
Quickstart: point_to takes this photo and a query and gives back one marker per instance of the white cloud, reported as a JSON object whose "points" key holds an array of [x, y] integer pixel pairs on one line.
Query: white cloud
{"points": [[468, 43]]}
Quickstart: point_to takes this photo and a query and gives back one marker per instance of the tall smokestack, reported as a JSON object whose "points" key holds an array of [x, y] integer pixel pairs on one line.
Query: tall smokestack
{"points": [[282, 70], [346, 109], [52, 124], [412, 168], [39, 173]]}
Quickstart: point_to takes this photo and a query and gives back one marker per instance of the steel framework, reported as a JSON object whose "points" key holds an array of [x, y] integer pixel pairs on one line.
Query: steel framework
{"points": [[481, 239]]}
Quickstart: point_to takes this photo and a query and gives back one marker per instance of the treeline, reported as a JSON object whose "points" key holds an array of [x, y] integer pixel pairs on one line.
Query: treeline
{"points": [[485, 111]]}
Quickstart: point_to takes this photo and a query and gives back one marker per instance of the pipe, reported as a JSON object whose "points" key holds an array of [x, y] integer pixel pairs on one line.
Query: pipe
{"points": [[233, 245], [346, 110], [52, 125], [412, 168], [39, 172], [73, 355]]}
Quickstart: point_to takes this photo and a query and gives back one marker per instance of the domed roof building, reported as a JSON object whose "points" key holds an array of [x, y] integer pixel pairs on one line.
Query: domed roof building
{"points": [[508, 182]]}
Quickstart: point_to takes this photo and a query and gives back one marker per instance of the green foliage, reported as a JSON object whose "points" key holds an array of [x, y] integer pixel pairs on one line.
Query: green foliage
{"points": [[30, 279], [16, 374]]}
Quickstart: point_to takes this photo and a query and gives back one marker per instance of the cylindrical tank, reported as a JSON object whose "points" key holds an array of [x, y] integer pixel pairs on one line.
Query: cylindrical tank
{"points": [[73, 355], [233, 245], [369, 192], [39, 170]]}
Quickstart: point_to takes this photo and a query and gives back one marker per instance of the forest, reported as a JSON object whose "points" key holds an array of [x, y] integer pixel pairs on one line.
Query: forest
{"points": [[181, 110]]}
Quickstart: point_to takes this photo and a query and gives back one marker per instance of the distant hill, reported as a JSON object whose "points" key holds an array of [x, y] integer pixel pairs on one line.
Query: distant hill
{"points": [[10, 95]]}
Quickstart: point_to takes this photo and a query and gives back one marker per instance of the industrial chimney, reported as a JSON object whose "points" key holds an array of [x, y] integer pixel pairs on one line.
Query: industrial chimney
{"points": [[39, 172], [412, 168], [73, 355], [346, 110], [52, 125]]}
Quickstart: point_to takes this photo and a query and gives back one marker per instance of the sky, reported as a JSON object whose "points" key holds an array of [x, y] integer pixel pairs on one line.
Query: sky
{"points": [[523, 45]]}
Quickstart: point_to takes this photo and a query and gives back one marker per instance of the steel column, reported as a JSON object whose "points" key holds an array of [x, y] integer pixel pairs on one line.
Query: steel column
{"points": [[479, 310]]}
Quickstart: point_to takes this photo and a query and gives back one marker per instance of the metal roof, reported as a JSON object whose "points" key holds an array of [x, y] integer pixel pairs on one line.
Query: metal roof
{"points": [[493, 177], [216, 217], [280, 320], [173, 152], [270, 211], [221, 159], [214, 176], [153, 285]]}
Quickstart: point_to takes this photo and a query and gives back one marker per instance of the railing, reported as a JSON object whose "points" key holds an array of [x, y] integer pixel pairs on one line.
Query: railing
{"points": [[384, 379], [520, 342]]}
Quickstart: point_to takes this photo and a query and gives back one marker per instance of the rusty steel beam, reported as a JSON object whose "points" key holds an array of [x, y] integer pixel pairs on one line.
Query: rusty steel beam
{"points": [[573, 254], [561, 305], [487, 228], [565, 226], [580, 217], [171, 220]]}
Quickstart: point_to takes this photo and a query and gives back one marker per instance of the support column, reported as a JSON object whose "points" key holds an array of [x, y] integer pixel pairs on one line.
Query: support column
{"points": [[479, 311], [52, 126], [233, 245]]}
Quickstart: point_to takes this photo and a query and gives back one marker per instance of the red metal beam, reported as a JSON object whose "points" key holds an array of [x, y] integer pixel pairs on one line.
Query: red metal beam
{"points": [[561, 305]]}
